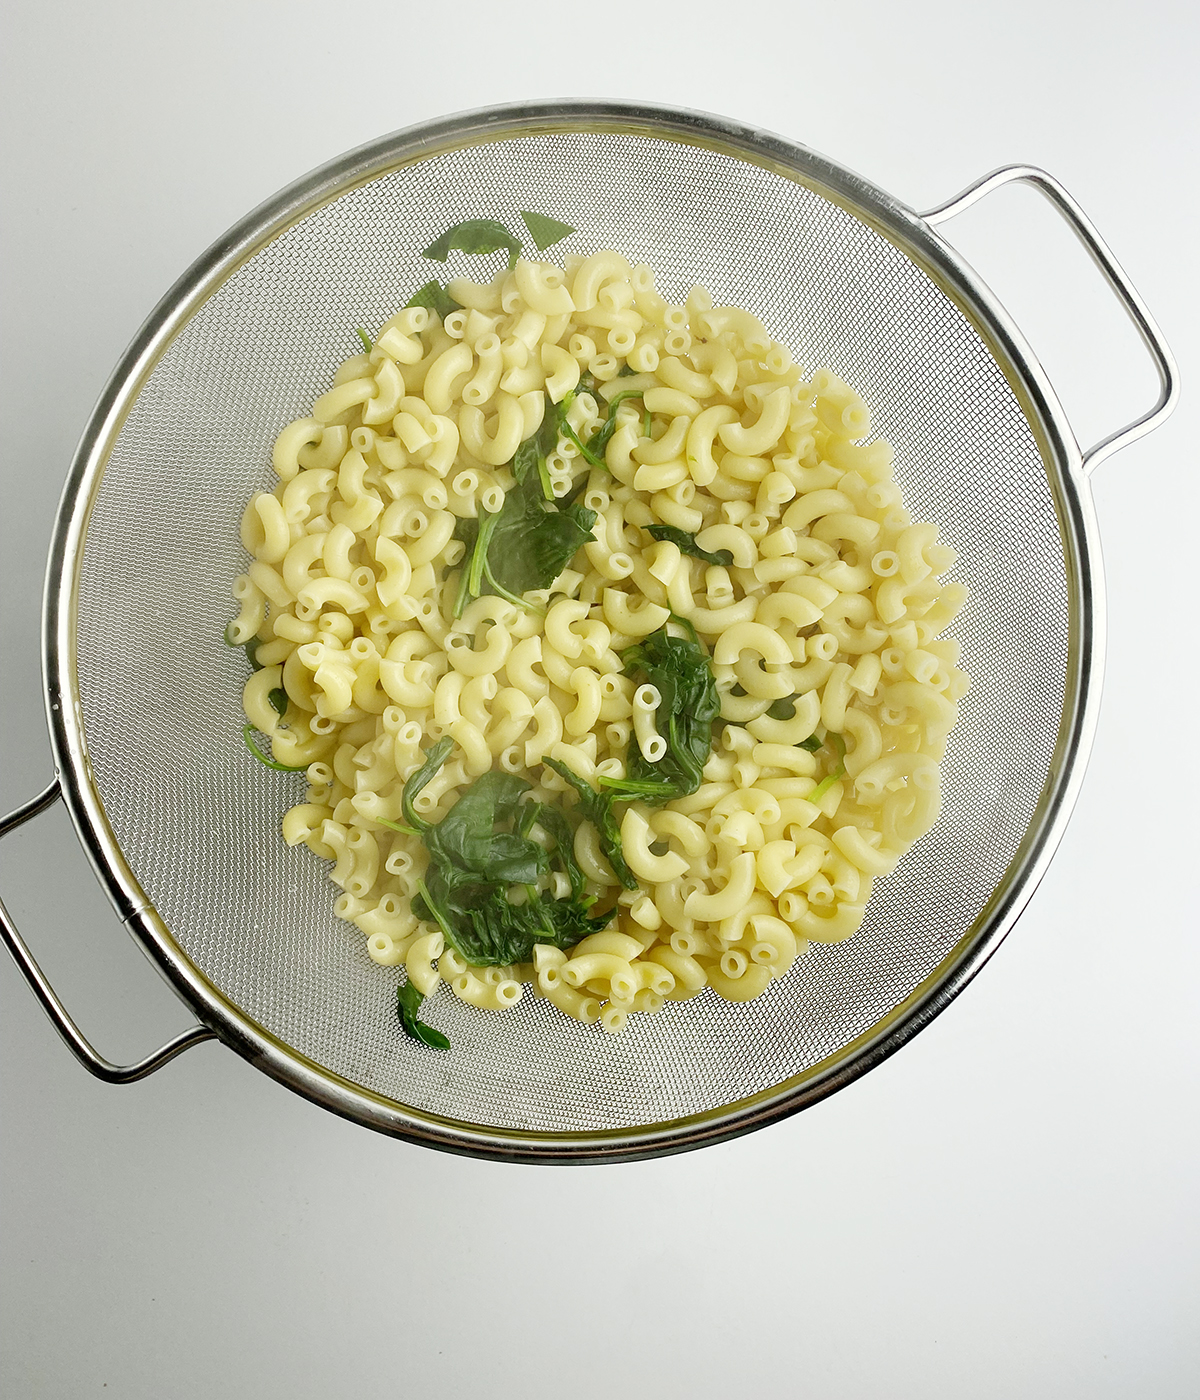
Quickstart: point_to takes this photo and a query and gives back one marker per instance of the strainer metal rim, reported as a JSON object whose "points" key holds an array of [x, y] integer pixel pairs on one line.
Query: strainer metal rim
{"points": [[903, 227]]}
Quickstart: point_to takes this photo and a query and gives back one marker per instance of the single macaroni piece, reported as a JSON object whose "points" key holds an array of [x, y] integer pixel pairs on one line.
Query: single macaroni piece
{"points": [[780, 539]]}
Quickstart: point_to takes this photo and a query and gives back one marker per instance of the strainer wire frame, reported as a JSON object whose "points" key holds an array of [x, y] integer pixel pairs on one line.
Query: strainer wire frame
{"points": [[915, 236]]}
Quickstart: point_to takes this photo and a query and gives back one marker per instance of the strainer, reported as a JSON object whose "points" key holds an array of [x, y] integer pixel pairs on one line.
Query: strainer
{"points": [[143, 699]]}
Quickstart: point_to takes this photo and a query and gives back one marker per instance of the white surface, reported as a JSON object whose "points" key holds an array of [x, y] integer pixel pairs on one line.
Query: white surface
{"points": [[1008, 1207]]}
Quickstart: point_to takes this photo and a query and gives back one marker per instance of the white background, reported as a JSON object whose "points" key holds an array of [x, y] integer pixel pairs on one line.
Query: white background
{"points": [[1006, 1208]]}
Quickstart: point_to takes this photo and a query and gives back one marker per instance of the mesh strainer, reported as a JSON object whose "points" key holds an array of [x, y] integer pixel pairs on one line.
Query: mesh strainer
{"points": [[144, 700]]}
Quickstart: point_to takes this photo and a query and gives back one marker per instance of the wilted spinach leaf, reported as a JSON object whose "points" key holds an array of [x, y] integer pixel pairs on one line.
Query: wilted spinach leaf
{"points": [[475, 236], [545, 231], [687, 544], [479, 851], [678, 668], [596, 807], [531, 545], [434, 297], [408, 1003]]}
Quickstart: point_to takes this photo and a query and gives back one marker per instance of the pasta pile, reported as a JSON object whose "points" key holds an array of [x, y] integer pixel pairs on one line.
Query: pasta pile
{"points": [[823, 630]]}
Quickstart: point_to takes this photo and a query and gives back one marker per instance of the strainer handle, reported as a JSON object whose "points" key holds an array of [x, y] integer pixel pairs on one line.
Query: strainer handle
{"points": [[1114, 273], [76, 1041]]}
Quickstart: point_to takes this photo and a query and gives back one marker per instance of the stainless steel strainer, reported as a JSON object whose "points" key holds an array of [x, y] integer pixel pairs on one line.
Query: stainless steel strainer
{"points": [[144, 700]]}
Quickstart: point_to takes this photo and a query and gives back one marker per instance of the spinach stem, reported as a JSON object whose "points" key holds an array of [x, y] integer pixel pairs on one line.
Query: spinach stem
{"points": [[544, 478], [439, 917], [479, 558], [588, 454], [502, 592], [247, 739], [462, 594]]}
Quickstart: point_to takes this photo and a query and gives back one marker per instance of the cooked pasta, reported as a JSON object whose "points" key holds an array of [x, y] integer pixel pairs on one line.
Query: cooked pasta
{"points": [[780, 545]]}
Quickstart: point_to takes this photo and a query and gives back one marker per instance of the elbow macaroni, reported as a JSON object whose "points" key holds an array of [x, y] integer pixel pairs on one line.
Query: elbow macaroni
{"points": [[828, 597]]}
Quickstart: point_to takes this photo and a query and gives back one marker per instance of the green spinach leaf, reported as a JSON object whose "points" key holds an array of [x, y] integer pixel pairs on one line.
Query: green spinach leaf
{"points": [[555, 824], [532, 453], [596, 807], [687, 544], [479, 851], [538, 446], [597, 444], [408, 1003], [279, 700], [250, 648], [429, 770], [545, 231], [520, 548], [475, 236], [467, 839], [530, 546], [678, 668], [434, 297]]}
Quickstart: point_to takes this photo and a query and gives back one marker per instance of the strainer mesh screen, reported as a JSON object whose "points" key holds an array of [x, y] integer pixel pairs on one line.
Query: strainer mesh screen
{"points": [[198, 819]]}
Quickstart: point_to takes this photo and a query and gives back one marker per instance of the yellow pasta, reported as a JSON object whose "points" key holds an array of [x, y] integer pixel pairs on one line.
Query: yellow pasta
{"points": [[815, 596]]}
